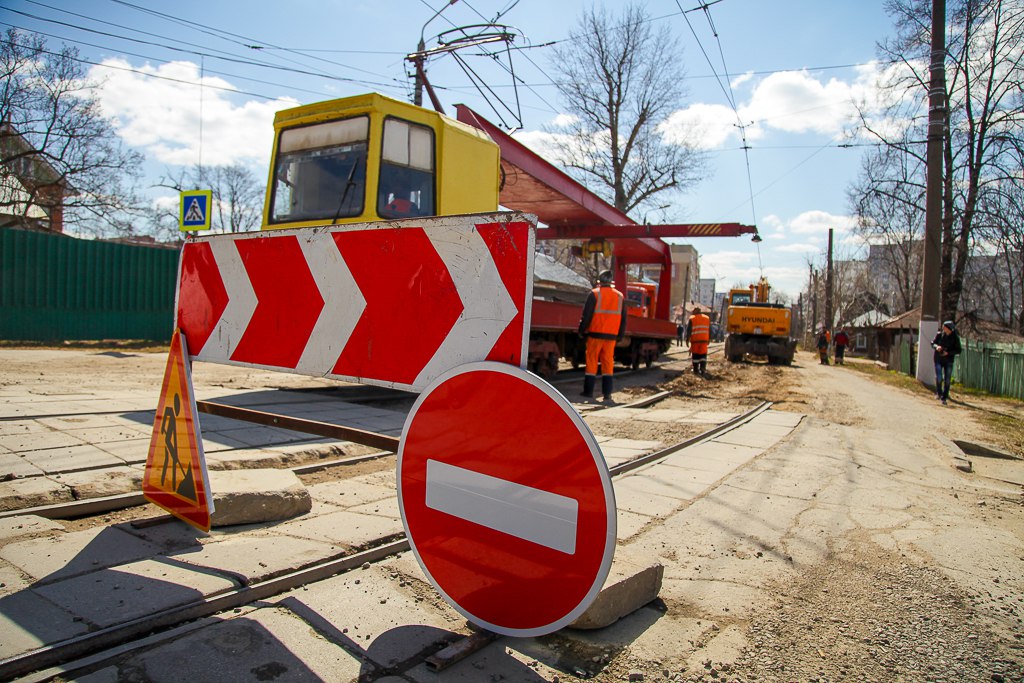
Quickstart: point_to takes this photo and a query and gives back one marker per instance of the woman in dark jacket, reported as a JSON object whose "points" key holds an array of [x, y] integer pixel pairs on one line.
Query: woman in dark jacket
{"points": [[947, 346]]}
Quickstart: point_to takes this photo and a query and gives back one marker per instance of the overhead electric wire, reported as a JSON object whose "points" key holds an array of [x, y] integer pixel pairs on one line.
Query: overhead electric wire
{"points": [[476, 80], [236, 60], [142, 73], [202, 51], [731, 99], [177, 80], [146, 74], [120, 26], [252, 42]]}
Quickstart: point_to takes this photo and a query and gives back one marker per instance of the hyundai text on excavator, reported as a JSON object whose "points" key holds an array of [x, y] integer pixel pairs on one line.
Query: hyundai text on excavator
{"points": [[756, 327]]}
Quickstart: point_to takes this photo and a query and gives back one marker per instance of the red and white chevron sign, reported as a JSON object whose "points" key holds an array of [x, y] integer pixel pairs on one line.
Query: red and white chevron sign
{"points": [[394, 304]]}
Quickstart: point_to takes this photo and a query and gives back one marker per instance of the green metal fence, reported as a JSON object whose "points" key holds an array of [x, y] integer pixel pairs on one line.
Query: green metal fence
{"points": [[57, 288], [993, 367]]}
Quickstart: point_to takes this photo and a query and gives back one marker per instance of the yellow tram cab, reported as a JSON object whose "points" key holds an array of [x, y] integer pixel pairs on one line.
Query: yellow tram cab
{"points": [[370, 157]]}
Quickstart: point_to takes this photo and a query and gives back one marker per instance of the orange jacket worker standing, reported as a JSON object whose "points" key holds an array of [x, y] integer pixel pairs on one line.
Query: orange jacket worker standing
{"points": [[603, 323], [698, 336]]}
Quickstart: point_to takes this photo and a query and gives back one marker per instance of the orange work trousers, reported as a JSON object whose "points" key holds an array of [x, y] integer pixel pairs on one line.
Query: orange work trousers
{"points": [[603, 351]]}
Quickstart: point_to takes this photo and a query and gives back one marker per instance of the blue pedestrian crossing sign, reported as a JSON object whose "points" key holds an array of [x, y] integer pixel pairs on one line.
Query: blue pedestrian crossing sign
{"points": [[195, 210]]}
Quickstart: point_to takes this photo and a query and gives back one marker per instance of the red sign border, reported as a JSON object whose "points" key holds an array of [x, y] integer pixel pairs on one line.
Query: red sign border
{"points": [[599, 461], [198, 515]]}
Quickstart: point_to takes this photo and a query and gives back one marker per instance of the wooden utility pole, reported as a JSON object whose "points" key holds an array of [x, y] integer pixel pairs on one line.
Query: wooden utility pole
{"points": [[829, 317], [814, 302], [937, 121]]}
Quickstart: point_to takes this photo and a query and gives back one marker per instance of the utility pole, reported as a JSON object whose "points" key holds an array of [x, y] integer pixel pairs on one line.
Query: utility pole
{"points": [[419, 60], [814, 302], [937, 121], [829, 316]]}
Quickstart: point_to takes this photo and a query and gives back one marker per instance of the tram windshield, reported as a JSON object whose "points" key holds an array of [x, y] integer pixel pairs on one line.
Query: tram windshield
{"points": [[320, 171]]}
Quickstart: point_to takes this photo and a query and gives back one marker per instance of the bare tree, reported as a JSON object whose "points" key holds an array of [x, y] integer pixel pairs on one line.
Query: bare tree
{"points": [[620, 78], [61, 162], [1000, 287], [984, 80], [888, 200], [237, 197]]}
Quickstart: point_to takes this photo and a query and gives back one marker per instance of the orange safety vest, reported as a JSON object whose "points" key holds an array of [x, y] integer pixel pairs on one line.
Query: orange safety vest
{"points": [[700, 329], [607, 311]]}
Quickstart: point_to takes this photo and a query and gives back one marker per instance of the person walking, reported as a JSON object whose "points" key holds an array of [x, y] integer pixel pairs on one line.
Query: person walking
{"points": [[698, 334], [679, 333], [947, 346], [603, 323], [823, 346], [841, 341]]}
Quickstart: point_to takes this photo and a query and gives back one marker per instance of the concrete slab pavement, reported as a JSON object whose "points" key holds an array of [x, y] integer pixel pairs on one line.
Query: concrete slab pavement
{"points": [[128, 591], [43, 442], [262, 645], [99, 578], [380, 613], [26, 525], [29, 621], [256, 558], [50, 559]]}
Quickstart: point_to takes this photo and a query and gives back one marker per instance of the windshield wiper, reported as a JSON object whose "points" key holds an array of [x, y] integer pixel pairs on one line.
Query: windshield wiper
{"points": [[344, 195]]}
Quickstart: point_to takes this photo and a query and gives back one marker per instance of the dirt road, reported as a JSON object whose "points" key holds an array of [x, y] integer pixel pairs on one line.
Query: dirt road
{"points": [[856, 551]]}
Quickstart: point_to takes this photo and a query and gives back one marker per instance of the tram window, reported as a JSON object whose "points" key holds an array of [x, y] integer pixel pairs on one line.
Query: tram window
{"points": [[320, 171], [406, 186]]}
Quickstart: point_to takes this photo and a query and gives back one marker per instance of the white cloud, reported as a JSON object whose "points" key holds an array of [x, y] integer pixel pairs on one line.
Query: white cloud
{"points": [[705, 126], [166, 202], [741, 79], [771, 226], [789, 279], [819, 222], [563, 120], [543, 143], [162, 117], [797, 102], [787, 101], [799, 248]]}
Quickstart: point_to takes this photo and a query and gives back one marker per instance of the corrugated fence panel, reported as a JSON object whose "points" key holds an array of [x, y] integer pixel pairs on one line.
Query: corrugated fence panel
{"points": [[57, 288], [993, 367]]}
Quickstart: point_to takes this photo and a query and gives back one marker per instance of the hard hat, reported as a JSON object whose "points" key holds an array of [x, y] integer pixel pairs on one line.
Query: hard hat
{"points": [[605, 276]]}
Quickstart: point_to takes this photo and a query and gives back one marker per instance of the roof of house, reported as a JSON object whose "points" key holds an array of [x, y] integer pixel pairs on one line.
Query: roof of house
{"points": [[548, 270], [869, 319], [911, 320]]}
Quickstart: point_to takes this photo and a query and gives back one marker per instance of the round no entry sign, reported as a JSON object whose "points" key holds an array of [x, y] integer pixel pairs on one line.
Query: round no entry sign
{"points": [[506, 499]]}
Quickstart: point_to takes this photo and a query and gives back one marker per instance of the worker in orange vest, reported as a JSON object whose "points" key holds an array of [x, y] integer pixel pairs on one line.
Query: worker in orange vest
{"points": [[603, 323], [698, 334]]}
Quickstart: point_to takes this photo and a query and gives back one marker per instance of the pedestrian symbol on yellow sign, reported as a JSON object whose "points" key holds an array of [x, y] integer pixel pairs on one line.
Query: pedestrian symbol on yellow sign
{"points": [[176, 478], [195, 210], [194, 213]]}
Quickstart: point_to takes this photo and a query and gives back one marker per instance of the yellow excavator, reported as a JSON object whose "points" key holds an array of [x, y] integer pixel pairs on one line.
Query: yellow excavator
{"points": [[756, 327]]}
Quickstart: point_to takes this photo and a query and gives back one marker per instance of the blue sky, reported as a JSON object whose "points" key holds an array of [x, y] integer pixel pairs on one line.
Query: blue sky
{"points": [[796, 66]]}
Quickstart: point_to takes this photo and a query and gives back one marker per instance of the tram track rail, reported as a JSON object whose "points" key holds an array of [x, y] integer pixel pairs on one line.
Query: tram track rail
{"points": [[90, 651], [387, 444]]}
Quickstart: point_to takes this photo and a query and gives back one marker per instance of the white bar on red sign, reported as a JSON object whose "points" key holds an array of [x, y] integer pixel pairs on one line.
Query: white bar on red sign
{"points": [[541, 517]]}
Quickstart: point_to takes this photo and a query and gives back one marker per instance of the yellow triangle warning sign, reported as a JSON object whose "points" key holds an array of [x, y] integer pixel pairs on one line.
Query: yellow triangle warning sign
{"points": [[176, 478]]}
